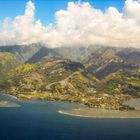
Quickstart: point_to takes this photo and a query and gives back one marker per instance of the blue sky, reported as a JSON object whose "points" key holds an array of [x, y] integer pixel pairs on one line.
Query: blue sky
{"points": [[81, 25], [45, 9]]}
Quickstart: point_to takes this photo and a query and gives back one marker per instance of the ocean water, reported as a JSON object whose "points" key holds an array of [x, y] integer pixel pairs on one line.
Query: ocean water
{"points": [[40, 120]]}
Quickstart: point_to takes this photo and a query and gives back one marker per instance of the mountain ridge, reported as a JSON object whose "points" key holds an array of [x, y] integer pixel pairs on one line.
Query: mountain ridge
{"points": [[103, 79]]}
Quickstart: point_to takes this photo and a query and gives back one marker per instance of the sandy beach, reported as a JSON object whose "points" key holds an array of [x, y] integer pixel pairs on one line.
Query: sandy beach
{"points": [[8, 104], [100, 113]]}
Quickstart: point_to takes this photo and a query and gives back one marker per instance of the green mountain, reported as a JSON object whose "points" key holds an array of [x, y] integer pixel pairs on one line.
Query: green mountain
{"points": [[123, 81], [76, 53], [21, 52], [43, 52], [7, 62], [31, 77], [130, 55], [104, 79], [108, 60]]}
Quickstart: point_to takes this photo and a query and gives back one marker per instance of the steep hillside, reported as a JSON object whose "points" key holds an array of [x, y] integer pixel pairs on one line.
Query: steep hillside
{"points": [[105, 79], [75, 84], [43, 52], [36, 77], [130, 55], [21, 52], [121, 82], [7, 62], [102, 56], [108, 60], [76, 53]]}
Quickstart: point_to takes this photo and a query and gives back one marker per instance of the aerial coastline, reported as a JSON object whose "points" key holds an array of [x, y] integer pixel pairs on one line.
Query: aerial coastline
{"points": [[101, 113], [8, 104]]}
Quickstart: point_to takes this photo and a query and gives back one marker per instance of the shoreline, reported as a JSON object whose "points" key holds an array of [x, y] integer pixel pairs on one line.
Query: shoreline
{"points": [[9, 106], [7, 103], [83, 112], [9, 95], [101, 114], [4, 103], [96, 103], [65, 113]]}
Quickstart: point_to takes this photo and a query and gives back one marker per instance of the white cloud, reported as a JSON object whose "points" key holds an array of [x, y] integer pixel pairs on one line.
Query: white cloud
{"points": [[23, 29], [79, 25]]}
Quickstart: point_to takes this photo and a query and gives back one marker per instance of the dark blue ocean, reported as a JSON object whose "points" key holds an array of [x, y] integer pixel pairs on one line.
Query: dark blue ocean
{"points": [[40, 120]]}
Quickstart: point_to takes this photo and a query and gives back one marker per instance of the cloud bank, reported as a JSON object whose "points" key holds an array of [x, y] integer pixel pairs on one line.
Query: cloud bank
{"points": [[79, 25]]}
